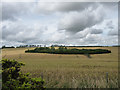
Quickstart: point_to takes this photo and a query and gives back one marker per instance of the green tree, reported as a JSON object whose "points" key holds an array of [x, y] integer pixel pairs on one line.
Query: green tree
{"points": [[52, 48], [13, 79]]}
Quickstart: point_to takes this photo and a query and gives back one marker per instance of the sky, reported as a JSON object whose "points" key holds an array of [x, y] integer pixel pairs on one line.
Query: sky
{"points": [[62, 23]]}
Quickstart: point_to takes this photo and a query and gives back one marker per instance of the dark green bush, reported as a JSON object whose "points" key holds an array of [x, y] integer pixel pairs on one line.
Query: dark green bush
{"points": [[64, 50], [13, 79]]}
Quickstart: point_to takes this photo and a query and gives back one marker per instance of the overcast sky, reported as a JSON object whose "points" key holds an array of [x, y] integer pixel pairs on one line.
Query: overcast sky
{"points": [[67, 23]]}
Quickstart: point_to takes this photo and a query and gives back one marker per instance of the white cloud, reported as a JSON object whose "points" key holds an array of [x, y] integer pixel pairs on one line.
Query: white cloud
{"points": [[60, 23]]}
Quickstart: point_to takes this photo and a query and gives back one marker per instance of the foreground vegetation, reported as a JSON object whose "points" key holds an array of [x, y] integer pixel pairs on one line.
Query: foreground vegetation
{"points": [[13, 79], [70, 71], [64, 50]]}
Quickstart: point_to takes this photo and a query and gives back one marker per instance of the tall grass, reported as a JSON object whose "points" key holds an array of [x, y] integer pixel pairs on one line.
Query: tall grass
{"points": [[76, 79]]}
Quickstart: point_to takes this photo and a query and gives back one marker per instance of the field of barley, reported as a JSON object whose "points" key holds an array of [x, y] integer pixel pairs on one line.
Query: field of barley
{"points": [[69, 71]]}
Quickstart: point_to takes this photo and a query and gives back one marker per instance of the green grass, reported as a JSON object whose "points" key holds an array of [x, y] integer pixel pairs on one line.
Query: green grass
{"points": [[60, 71]]}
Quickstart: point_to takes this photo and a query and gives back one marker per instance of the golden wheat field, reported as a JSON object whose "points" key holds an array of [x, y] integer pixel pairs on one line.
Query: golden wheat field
{"points": [[69, 71]]}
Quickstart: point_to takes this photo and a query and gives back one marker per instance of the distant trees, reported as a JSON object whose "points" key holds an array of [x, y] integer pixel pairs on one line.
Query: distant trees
{"points": [[3, 46], [64, 50], [23, 46], [7, 47], [52, 48]]}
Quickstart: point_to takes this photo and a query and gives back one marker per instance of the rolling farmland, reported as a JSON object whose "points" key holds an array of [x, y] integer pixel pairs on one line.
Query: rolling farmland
{"points": [[69, 70]]}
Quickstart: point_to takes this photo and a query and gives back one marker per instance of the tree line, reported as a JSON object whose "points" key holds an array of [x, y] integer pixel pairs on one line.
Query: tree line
{"points": [[65, 50]]}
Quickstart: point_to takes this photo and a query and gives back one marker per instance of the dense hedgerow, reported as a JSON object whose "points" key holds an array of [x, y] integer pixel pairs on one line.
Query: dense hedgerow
{"points": [[13, 79], [64, 50]]}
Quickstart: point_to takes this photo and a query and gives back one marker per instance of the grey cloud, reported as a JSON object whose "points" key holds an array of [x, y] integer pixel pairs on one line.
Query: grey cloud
{"points": [[91, 39], [11, 11], [42, 7], [110, 25], [113, 32], [21, 33], [77, 21], [110, 5], [75, 6], [113, 28], [73, 27], [9, 28], [96, 31], [64, 6], [16, 31]]}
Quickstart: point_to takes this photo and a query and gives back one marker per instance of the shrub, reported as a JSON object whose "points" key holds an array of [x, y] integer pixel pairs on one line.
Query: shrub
{"points": [[13, 79]]}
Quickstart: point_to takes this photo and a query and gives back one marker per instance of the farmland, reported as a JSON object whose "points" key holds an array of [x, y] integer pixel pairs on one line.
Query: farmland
{"points": [[60, 71]]}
